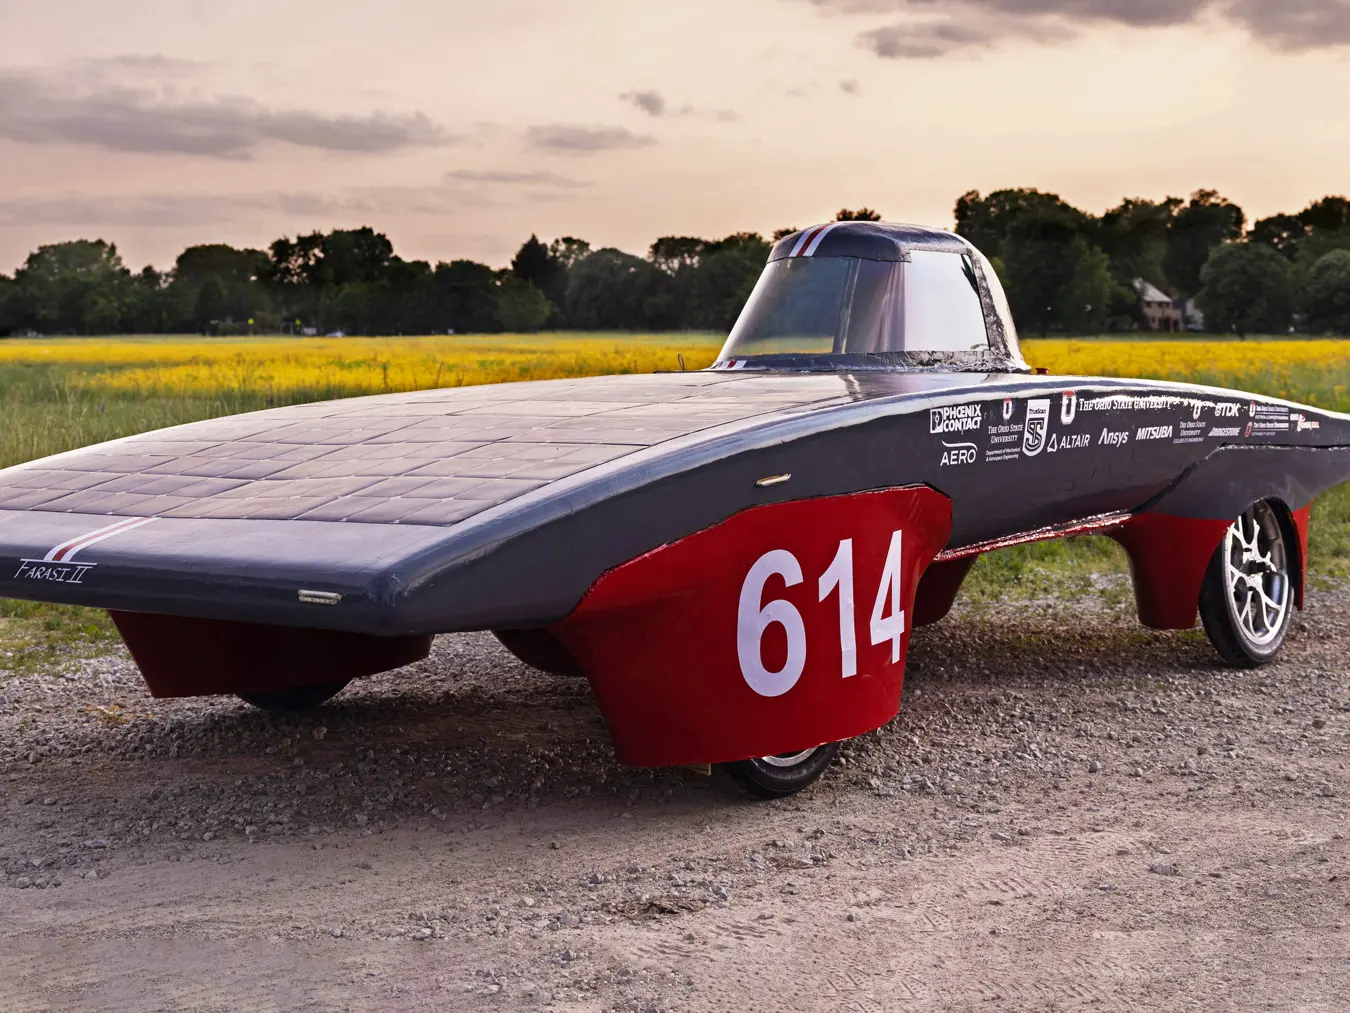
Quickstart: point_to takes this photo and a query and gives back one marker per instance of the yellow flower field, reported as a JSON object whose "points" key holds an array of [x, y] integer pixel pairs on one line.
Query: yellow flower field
{"points": [[288, 369], [282, 368]]}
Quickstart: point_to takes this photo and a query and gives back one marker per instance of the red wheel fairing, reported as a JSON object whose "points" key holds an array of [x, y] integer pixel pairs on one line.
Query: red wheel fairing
{"points": [[735, 641]]}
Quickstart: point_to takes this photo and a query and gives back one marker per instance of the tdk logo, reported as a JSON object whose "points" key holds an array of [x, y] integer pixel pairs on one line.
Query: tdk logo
{"points": [[964, 418]]}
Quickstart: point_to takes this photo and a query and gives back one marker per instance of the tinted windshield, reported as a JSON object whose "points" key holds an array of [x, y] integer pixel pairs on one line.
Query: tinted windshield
{"points": [[847, 305]]}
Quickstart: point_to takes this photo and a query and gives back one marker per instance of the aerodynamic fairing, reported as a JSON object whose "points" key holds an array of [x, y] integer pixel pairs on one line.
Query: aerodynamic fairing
{"points": [[734, 557]]}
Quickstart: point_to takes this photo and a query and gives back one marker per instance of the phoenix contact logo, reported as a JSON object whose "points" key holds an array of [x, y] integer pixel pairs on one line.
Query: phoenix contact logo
{"points": [[964, 418], [1154, 433]]}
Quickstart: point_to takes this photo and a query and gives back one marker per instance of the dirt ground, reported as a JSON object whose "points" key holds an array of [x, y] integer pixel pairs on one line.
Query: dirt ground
{"points": [[1071, 813]]}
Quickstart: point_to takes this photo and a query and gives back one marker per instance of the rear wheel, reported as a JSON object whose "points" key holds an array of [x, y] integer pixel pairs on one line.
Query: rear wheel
{"points": [[301, 698], [783, 774], [1246, 601]]}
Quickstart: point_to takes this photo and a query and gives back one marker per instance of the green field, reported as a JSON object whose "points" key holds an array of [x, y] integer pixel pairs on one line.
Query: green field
{"points": [[56, 394]]}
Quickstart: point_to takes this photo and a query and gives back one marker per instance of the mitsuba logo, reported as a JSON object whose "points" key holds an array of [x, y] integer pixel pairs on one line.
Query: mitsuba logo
{"points": [[1038, 422], [1154, 433], [959, 453], [1227, 410], [964, 418], [1110, 439]]}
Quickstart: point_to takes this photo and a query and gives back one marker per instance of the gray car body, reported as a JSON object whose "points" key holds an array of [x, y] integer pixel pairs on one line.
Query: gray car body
{"points": [[498, 506]]}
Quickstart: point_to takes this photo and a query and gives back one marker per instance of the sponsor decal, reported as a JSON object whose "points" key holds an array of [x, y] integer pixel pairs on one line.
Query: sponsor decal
{"points": [[956, 419], [1302, 423], [1154, 433], [959, 453], [1037, 425], [1191, 431], [1227, 410], [1111, 438], [1226, 431], [1073, 441], [1196, 409], [57, 573], [1249, 428], [1068, 407], [1007, 408], [59, 566]]}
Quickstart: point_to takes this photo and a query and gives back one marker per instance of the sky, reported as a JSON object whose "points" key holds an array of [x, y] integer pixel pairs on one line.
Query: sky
{"points": [[460, 127]]}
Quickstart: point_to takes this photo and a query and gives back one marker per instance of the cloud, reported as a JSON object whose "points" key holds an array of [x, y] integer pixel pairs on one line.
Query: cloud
{"points": [[924, 29], [1296, 24], [849, 87], [514, 178], [653, 103], [37, 110], [585, 140]]}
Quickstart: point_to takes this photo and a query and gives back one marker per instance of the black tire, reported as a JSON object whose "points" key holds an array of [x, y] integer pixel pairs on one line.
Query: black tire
{"points": [[768, 777], [302, 698], [1247, 599]]}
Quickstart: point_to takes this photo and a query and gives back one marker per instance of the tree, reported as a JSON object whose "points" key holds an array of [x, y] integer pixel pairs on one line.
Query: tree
{"points": [[7, 322], [985, 221], [608, 290], [1134, 236], [784, 232], [1056, 279], [860, 215], [465, 297], [210, 305], [1206, 221], [71, 288], [521, 306], [1326, 294], [726, 274], [535, 265], [1282, 233], [1246, 289]]}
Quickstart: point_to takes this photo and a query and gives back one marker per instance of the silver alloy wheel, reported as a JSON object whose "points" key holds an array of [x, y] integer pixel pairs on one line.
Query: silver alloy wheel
{"points": [[1256, 573], [788, 759]]}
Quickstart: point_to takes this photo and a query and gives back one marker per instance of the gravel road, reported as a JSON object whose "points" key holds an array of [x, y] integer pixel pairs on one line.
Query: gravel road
{"points": [[1070, 813]]}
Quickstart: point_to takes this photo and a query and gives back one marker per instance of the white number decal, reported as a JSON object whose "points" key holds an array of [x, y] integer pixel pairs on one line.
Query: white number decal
{"points": [[752, 620], [840, 575], [889, 627]]}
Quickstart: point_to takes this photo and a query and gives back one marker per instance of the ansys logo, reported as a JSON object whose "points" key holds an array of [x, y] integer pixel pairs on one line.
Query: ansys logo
{"points": [[1038, 421]]}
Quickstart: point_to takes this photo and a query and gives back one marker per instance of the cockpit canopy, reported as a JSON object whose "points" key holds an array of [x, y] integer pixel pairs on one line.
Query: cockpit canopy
{"points": [[859, 294]]}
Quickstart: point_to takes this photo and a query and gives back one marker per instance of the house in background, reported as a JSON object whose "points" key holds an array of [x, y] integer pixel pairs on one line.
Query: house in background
{"points": [[1161, 312]]}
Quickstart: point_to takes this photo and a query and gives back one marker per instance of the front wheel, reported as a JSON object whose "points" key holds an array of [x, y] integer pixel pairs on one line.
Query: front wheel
{"points": [[1246, 600], [301, 698], [767, 777]]}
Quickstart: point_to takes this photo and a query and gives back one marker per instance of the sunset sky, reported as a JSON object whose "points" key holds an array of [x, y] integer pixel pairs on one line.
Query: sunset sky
{"points": [[461, 127]]}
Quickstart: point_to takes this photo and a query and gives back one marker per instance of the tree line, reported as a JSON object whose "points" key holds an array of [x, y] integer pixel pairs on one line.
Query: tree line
{"points": [[1065, 270]]}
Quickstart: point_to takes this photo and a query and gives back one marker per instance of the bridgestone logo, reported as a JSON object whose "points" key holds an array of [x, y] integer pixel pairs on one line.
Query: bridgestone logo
{"points": [[1154, 433], [964, 418]]}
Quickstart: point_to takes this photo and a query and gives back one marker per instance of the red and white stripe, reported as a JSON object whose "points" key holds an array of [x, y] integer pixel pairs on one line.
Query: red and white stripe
{"points": [[66, 550], [809, 241]]}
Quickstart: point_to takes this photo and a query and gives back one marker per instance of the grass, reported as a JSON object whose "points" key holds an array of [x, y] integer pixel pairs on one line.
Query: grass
{"points": [[58, 394]]}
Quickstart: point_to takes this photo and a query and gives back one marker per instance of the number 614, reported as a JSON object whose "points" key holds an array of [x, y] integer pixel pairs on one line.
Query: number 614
{"points": [[753, 618]]}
